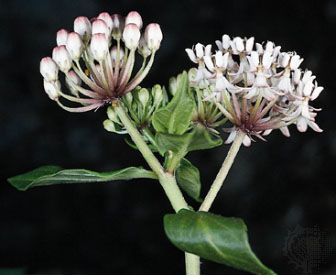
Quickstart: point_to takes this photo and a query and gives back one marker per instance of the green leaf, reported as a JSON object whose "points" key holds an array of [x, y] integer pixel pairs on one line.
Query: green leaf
{"points": [[50, 175], [215, 238], [198, 139], [175, 117], [188, 178], [203, 139]]}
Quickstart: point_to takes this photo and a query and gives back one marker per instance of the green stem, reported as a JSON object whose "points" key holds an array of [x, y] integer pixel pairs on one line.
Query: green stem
{"points": [[167, 180], [192, 263], [219, 180]]}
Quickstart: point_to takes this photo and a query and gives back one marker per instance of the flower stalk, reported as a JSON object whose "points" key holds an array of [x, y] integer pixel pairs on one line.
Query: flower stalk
{"points": [[219, 180]]}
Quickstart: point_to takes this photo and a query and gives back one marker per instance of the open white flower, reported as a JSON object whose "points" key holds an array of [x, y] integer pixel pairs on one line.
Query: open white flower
{"points": [[256, 86]]}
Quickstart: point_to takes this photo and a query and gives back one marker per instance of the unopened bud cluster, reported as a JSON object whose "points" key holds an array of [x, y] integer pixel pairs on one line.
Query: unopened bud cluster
{"points": [[141, 104], [97, 59], [257, 87]]}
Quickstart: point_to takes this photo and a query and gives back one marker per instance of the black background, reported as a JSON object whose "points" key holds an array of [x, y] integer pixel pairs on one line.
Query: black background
{"points": [[116, 228]]}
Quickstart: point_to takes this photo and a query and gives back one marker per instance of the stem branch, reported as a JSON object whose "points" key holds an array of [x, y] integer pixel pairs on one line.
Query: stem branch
{"points": [[167, 180]]}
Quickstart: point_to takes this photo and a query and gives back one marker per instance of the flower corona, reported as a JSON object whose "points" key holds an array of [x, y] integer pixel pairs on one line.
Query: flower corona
{"points": [[98, 58], [257, 87]]}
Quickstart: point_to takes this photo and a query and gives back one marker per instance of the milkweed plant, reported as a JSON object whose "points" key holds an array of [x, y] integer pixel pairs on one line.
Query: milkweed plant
{"points": [[241, 90]]}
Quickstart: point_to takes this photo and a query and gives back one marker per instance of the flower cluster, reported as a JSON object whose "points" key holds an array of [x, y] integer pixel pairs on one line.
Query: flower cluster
{"points": [[257, 87], [97, 59]]}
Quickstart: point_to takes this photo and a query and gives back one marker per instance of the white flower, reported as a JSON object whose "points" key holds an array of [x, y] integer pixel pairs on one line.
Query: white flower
{"points": [[238, 45], [258, 90], [197, 53]]}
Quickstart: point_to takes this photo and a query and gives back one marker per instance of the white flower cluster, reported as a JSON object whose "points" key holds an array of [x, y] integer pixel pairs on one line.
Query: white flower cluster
{"points": [[100, 53], [257, 87]]}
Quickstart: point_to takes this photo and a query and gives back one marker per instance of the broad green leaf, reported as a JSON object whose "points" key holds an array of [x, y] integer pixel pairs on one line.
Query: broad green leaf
{"points": [[175, 117], [50, 175], [198, 139], [203, 139], [215, 238], [188, 178]]}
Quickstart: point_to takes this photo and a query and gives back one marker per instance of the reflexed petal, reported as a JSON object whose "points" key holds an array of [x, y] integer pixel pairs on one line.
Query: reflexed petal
{"points": [[301, 124], [199, 50], [316, 92], [191, 55]]}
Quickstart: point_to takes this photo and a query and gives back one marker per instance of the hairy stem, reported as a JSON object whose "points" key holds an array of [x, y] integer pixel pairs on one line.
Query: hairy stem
{"points": [[222, 173]]}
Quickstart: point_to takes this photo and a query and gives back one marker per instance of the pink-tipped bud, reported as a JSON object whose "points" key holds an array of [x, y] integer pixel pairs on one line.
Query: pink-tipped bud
{"points": [[134, 17], [118, 25], [99, 46], [48, 69], [114, 54], [71, 80], [52, 88], [74, 45], [72, 77], [143, 48], [61, 37], [62, 58], [118, 21], [99, 26], [82, 26], [131, 36], [107, 19], [153, 36]]}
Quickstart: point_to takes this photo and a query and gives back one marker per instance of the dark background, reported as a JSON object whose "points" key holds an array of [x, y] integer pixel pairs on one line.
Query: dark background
{"points": [[116, 228]]}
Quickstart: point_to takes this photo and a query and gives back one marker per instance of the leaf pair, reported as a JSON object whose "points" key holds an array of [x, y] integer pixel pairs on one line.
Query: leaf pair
{"points": [[177, 134]]}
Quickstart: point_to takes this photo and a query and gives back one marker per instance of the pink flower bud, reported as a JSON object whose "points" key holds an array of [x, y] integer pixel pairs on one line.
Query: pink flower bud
{"points": [[143, 48], [118, 21], [134, 17], [52, 88], [82, 26], [131, 36], [114, 54], [107, 19], [62, 58], [153, 36], [99, 26], [118, 25], [48, 69], [73, 78], [61, 37], [99, 46], [74, 45]]}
